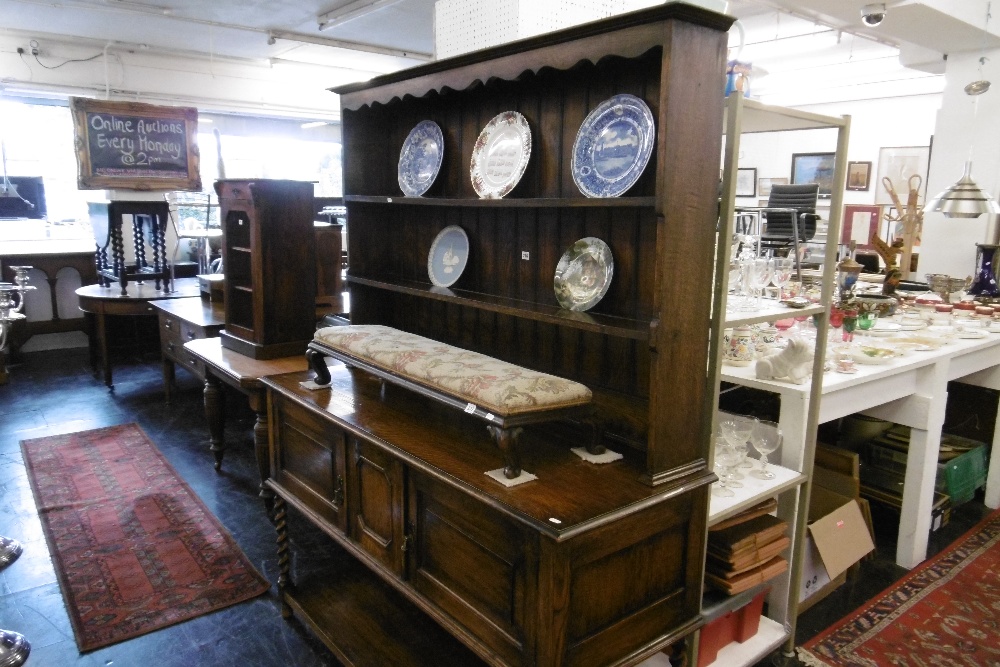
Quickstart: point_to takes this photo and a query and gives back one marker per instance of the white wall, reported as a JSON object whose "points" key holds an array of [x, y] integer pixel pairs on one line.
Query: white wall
{"points": [[265, 87], [875, 124], [966, 127]]}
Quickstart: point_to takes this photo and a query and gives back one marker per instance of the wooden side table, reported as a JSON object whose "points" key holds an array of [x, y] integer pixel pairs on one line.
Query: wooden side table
{"points": [[99, 302], [183, 320], [222, 365]]}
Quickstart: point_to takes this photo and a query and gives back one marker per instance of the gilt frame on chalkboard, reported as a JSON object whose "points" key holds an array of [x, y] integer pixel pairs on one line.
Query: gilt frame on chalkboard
{"points": [[135, 146]]}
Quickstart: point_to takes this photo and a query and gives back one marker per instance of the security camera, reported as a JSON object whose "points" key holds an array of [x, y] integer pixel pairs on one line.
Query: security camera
{"points": [[874, 14]]}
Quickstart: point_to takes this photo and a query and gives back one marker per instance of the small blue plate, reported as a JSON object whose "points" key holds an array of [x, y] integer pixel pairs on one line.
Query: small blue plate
{"points": [[420, 158], [613, 146], [448, 255]]}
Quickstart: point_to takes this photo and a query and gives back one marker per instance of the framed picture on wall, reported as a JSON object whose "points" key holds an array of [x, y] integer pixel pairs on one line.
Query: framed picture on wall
{"points": [[814, 168], [859, 176], [900, 165], [746, 182], [764, 185], [860, 222]]}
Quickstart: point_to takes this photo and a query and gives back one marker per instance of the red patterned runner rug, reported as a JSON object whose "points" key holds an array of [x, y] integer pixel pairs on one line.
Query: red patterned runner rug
{"points": [[134, 548], [943, 613]]}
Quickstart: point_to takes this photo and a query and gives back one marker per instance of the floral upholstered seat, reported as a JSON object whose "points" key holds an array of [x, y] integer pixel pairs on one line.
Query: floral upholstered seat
{"points": [[502, 388]]}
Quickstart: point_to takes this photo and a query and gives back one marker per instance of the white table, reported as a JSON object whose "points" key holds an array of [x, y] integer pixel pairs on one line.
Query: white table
{"points": [[910, 390]]}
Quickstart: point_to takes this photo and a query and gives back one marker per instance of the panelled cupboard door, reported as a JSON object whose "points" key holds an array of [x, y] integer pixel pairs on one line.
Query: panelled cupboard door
{"points": [[474, 563], [375, 481], [308, 458]]}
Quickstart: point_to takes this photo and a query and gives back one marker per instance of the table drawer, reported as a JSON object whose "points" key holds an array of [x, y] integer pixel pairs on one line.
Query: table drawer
{"points": [[170, 328], [233, 191], [192, 332], [174, 350]]}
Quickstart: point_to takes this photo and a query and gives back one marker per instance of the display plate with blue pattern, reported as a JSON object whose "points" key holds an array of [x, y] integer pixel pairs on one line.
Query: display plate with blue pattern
{"points": [[613, 146], [420, 158], [448, 256]]}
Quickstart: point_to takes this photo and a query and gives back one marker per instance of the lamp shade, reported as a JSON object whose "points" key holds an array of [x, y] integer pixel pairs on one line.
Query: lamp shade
{"points": [[964, 199]]}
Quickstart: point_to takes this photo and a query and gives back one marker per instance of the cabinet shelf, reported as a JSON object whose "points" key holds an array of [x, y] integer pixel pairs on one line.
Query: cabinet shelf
{"points": [[769, 312], [544, 202], [770, 636], [604, 324], [753, 491]]}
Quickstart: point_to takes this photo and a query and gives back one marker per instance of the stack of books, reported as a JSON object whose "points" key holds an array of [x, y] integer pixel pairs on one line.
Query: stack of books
{"points": [[746, 550]]}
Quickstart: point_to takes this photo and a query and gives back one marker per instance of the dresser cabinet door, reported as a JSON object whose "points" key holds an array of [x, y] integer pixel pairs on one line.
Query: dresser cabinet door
{"points": [[474, 563], [376, 502], [307, 458]]}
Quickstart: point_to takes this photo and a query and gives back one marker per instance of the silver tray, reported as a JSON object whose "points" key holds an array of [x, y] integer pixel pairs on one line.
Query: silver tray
{"points": [[583, 274]]}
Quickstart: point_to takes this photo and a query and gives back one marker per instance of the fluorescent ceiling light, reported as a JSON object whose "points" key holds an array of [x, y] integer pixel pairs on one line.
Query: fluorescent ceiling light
{"points": [[790, 46], [351, 11]]}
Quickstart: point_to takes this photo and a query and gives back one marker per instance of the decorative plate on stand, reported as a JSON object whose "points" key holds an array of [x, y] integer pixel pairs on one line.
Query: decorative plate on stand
{"points": [[500, 155], [448, 256], [613, 146], [583, 274], [420, 158]]}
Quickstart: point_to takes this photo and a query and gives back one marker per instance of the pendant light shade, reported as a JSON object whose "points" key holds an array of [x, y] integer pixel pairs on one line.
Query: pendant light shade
{"points": [[964, 199]]}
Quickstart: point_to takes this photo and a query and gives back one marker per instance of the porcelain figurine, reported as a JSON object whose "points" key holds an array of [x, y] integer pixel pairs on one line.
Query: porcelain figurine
{"points": [[794, 363]]}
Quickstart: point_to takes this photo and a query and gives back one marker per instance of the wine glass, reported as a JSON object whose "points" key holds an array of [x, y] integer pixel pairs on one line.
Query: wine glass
{"points": [[736, 430], [782, 273], [726, 457], [760, 276], [766, 438]]}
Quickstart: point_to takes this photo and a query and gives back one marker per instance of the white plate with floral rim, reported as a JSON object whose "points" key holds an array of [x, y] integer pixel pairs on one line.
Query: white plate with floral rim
{"points": [[613, 146], [500, 155], [420, 158]]}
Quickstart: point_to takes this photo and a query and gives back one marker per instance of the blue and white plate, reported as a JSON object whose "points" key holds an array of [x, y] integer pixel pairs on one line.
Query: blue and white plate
{"points": [[613, 146], [420, 158], [448, 256]]}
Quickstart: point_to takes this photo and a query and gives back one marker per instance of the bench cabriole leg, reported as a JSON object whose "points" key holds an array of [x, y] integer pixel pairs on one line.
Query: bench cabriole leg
{"points": [[506, 439]]}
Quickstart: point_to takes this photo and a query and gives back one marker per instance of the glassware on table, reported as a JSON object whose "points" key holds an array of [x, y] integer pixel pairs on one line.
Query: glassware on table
{"points": [[766, 438], [725, 457], [782, 273], [850, 323], [867, 319]]}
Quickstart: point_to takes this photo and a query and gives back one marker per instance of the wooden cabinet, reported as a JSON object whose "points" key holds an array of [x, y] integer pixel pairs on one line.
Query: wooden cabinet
{"points": [[269, 259], [588, 564], [593, 567]]}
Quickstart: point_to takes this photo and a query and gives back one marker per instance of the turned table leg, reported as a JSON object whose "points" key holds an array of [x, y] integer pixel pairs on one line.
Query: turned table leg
{"points": [[215, 412], [102, 342], [284, 561], [506, 439], [258, 403]]}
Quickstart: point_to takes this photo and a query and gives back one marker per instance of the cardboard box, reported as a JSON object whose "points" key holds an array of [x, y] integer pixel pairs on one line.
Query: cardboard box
{"points": [[959, 476], [838, 534], [838, 537]]}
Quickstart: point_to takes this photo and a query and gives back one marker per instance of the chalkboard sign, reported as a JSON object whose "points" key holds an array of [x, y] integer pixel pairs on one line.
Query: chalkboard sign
{"points": [[133, 146]]}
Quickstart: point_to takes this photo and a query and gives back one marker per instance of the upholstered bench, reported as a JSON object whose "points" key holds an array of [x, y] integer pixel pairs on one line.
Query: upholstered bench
{"points": [[504, 395]]}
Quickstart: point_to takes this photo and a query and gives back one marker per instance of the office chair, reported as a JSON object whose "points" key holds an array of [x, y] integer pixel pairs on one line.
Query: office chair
{"points": [[194, 216], [790, 218]]}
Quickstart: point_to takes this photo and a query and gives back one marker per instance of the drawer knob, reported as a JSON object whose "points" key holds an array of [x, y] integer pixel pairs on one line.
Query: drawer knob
{"points": [[190, 335], [168, 324]]}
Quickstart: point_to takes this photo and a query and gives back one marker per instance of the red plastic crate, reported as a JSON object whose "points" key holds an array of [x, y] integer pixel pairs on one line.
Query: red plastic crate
{"points": [[738, 625]]}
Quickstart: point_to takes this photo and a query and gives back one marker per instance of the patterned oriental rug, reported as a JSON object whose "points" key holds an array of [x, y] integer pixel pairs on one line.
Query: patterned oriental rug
{"points": [[134, 548], [945, 613]]}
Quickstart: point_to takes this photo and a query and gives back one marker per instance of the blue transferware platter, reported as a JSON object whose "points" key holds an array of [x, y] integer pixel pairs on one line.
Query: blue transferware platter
{"points": [[448, 256], [613, 146], [584, 274], [420, 158]]}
